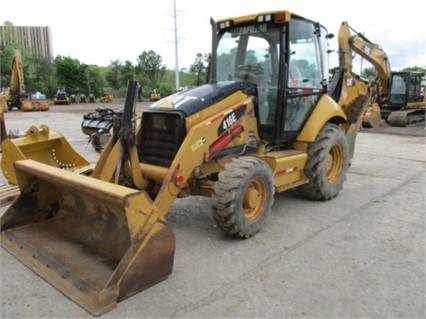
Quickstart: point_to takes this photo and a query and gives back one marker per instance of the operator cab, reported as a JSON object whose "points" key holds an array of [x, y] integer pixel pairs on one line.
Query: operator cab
{"points": [[283, 54], [405, 88]]}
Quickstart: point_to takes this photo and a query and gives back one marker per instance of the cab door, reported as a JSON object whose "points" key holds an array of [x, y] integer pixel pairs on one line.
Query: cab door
{"points": [[303, 77]]}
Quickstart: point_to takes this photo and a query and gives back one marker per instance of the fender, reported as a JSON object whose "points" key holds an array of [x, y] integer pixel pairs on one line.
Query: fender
{"points": [[327, 110]]}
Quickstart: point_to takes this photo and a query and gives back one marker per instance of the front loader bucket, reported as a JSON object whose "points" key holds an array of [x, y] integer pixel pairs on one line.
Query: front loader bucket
{"points": [[26, 106], [96, 242], [43, 146]]}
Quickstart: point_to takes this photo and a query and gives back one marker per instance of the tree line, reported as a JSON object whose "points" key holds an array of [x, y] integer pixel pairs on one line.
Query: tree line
{"points": [[79, 78], [371, 71]]}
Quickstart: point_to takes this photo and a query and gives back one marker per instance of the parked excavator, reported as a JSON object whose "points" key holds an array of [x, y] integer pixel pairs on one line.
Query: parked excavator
{"points": [[398, 95], [17, 96], [406, 103], [254, 129]]}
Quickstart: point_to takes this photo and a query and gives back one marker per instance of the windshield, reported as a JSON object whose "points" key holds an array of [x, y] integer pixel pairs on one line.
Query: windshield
{"points": [[249, 53], [398, 84]]}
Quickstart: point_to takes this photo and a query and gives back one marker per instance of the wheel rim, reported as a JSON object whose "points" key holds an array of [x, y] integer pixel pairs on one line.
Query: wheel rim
{"points": [[255, 199], [334, 163]]}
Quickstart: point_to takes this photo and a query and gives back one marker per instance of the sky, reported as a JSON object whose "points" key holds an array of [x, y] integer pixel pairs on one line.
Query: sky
{"points": [[100, 32]]}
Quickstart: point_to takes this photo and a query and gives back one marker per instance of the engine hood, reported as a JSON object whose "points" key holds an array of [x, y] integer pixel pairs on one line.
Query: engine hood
{"points": [[193, 100]]}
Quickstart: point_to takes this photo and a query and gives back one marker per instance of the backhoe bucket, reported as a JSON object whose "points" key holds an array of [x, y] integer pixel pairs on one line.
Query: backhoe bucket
{"points": [[372, 117], [96, 242], [43, 146]]}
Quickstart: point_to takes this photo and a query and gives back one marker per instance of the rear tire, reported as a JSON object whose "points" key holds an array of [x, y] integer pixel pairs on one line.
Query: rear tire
{"points": [[327, 165], [243, 197]]}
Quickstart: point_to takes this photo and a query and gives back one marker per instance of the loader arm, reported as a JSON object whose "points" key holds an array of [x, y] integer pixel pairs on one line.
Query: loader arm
{"points": [[122, 148]]}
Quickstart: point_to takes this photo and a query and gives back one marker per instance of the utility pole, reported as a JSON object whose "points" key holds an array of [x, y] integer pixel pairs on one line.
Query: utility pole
{"points": [[176, 49]]}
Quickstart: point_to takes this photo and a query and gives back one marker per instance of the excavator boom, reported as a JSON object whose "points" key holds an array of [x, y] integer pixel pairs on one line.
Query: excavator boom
{"points": [[18, 97]]}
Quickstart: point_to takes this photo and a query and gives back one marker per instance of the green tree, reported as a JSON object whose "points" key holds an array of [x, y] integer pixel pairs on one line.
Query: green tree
{"points": [[223, 60], [416, 69], [98, 81], [369, 72], [199, 68], [42, 76], [91, 80], [150, 68], [86, 78], [113, 76], [165, 90], [6, 56], [6, 65], [128, 72], [69, 74], [251, 58]]}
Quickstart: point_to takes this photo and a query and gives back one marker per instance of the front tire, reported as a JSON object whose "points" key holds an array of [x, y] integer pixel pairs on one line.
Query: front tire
{"points": [[243, 197], [327, 165]]}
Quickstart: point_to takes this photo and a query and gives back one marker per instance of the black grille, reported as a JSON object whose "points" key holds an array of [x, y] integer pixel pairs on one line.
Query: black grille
{"points": [[162, 135]]}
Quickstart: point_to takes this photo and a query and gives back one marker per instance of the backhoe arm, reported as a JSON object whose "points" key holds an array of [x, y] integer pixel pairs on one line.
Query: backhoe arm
{"points": [[371, 52], [17, 85]]}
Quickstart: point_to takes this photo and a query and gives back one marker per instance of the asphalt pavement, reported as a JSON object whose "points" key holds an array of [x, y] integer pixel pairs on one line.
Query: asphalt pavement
{"points": [[361, 255]]}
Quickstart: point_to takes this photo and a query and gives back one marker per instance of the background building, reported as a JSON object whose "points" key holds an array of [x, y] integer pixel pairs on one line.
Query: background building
{"points": [[35, 41]]}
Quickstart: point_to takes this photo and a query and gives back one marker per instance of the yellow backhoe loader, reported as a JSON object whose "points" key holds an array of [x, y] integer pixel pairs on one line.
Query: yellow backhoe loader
{"points": [[267, 120]]}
